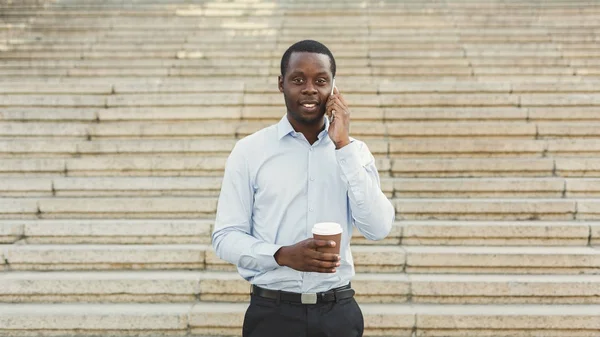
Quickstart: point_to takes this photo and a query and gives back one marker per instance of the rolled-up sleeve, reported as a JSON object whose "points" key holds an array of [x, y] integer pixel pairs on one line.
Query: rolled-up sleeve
{"points": [[231, 237], [372, 212]]}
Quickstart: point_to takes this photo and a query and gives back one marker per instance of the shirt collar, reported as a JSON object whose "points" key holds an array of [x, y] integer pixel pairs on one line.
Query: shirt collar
{"points": [[284, 127]]}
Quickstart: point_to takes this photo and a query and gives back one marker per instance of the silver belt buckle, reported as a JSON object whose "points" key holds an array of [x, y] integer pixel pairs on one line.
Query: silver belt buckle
{"points": [[308, 298]]}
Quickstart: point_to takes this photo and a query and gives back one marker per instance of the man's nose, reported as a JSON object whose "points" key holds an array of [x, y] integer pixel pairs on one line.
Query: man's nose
{"points": [[309, 88]]}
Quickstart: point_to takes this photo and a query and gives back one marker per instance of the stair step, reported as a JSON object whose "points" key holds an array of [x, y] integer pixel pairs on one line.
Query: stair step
{"points": [[233, 128], [207, 286], [442, 233], [397, 149], [213, 165], [377, 259], [221, 319], [392, 187], [406, 208]]}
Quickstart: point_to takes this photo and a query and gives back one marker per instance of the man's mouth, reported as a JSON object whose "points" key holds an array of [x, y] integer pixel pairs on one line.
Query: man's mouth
{"points": [[309, 106]]}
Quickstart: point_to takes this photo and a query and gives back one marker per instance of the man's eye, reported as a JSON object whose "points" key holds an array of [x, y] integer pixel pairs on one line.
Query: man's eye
{"points": [[321, 81], [297, 80]]}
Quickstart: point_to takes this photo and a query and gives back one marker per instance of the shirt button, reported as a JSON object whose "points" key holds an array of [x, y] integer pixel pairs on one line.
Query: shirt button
{"points": [[310, 209], [312, 178], [311, 149]]}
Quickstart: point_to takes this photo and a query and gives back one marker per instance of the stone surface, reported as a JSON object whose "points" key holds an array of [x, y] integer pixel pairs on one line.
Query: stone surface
{"points": [[459, 87], [487, 289], [104, 284], [559, 100], [568, 130], [19, 187], [500, 260], [516, 320], [118, 286], [34, 88], [33, 148], [381, 256], [470, 147], [573, 147], [104, 257], [196, 87], [41, 130], [588, 209], [142, 186], [553, 87], [472, 167], [509, 233], [99, 318], [73, 101], [156, 147], [196, 99], [459, 130], [585, 188], [169, 113], [478, 99], [595, 234], [32, 165], [48, 114], [146, 166], [127, 207], [10, 232], [164, 130], [16, 206], [225, 319], [114, 231], [496, 209], [459, 187], [578, 167]]}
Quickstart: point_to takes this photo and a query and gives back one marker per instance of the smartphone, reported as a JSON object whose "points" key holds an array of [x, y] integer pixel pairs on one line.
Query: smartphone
{"points": [[332, 87]]}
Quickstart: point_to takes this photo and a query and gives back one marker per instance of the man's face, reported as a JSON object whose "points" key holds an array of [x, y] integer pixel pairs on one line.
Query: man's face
{"points": [[306, 86]]}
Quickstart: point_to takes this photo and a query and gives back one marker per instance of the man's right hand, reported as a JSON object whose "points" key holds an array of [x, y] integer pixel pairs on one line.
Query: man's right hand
{"points": [[304, 256]]}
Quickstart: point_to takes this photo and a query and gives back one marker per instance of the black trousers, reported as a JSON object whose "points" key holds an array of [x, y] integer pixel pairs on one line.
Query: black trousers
{"points": [[267, 318]]}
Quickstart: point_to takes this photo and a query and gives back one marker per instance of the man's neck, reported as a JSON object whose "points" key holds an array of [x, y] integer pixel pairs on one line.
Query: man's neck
{"points": [[310, 131]]}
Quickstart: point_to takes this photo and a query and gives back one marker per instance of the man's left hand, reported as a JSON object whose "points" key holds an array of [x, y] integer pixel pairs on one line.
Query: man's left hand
{"points": [[339, 129]]}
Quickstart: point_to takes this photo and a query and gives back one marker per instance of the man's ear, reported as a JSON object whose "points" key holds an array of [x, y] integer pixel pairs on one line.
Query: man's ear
{"points": [[280, 83]]}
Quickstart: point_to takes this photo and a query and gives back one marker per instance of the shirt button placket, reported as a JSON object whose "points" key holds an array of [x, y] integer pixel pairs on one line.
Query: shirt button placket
{"points": [[311, 189]]}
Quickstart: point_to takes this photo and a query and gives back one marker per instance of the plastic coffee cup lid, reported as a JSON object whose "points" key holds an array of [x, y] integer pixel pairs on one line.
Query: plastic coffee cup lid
{"points": [[327, 228]]}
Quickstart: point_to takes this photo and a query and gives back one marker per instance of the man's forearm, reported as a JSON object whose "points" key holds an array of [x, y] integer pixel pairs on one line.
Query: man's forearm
{"points": [[244, 251], [372, 212]]}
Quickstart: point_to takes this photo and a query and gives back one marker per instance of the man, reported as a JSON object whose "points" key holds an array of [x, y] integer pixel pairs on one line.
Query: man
{"points": [[282, 180]]}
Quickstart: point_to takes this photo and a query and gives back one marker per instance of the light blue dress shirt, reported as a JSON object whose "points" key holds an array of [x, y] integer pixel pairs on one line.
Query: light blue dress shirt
{"points": [[277, 186]]}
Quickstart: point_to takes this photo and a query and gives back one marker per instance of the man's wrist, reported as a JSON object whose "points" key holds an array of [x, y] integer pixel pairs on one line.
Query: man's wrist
{"points": [[341, 144], [280, 256]]}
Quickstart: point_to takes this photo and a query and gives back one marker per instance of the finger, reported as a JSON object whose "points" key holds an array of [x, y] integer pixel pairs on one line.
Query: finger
{"points": [[324, 243], [329, 257], [322, 270], [337, 106], [323, 264], [342, 99], [316, 255], [330, 103]]}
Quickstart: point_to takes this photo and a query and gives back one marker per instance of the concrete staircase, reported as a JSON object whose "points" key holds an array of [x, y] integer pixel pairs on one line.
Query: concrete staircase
{"points": [[116, 118]]}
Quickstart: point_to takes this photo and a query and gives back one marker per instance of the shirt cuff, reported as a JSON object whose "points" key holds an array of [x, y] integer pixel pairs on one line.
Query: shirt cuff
{"points": [[265, 252], [348, 159]]}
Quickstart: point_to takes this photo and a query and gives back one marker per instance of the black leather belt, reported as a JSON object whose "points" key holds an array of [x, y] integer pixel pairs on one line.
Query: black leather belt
{"points": [[332, 295]]}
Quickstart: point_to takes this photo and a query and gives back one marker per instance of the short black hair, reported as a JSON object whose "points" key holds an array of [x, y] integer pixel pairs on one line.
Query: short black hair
{"points": [[309, 46]]}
